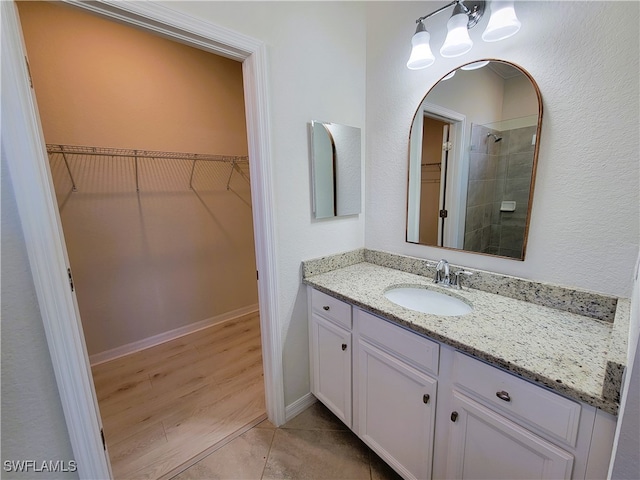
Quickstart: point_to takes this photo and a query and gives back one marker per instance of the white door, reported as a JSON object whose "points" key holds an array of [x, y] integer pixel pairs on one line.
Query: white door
{"points": [[331, 367], [486, 445], [396, 411]]}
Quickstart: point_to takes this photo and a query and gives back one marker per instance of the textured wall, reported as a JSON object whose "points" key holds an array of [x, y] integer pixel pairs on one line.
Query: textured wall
{"points": [[33, 425], [584, 225]]}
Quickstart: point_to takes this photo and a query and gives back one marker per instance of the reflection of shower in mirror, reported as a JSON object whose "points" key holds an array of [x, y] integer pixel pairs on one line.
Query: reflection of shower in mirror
{"points": [[496, 138]]}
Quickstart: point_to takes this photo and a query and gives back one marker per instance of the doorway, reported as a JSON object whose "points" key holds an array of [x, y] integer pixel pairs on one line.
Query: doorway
{"points": [[434, 163], [24, 149], [438, 173], [160, 243]]}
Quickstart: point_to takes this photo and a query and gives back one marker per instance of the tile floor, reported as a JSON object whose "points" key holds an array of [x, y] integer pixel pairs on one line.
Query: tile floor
{"points": [[313, 445]]}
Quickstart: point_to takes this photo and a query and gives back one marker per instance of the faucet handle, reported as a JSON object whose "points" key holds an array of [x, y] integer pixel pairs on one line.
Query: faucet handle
{"points": [[431, 264], [458, 279]]}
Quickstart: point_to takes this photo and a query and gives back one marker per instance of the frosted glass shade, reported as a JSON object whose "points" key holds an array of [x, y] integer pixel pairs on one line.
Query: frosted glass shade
{"points": [[421, 55], [458, 41], [450, 76], [475, 65], [503, 22]]}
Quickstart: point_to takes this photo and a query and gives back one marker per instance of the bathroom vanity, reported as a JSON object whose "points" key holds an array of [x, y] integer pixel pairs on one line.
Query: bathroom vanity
{"points": [[513, 389]]}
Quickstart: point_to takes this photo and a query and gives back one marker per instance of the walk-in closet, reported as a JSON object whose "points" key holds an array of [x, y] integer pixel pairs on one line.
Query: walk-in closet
{"points": [[147, 147]]}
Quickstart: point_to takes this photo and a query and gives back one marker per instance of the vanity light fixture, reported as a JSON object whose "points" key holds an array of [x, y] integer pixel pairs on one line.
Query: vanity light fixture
{"points": [[503, 23]]}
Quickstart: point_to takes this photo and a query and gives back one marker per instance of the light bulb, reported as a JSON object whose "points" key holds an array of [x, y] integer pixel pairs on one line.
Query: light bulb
{"points": [[449, 76], [503, 22], [458, 41], [475, 65], [421, 55]]}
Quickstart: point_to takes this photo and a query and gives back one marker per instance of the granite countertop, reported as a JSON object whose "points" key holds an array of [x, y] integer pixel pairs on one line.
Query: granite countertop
{"points": [[566, 352]]}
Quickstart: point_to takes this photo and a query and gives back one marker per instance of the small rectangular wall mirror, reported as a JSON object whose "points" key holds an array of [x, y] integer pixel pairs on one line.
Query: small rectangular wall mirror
{"points": [[335, 169]]}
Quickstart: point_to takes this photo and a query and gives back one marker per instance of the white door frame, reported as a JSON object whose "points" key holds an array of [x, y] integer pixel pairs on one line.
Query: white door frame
{"points": [[458, 172], [23, 147]]}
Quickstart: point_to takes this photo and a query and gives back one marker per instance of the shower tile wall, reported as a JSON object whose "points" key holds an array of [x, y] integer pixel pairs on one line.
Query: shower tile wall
{"points": [[498, 171]]}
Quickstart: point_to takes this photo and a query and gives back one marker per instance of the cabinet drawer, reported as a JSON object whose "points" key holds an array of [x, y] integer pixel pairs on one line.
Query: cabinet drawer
{"points": [[548, 412], [331, 308], [408, 346]]}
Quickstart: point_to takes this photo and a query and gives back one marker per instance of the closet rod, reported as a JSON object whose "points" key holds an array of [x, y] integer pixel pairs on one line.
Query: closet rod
{"points": [[121, 152]]}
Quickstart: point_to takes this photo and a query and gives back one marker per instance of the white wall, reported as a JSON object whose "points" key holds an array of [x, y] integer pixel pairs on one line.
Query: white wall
{"points": [[33, 424], [316, 55], [584, 57]]}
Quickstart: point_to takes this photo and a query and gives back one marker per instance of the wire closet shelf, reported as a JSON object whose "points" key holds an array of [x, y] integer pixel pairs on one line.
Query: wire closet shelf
{"points": [[237, 163]]}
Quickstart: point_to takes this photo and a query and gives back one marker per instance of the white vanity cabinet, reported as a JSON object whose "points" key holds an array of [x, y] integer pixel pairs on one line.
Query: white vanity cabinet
{"points": [[525, 431], [431, 411], [396, 397], [485, 444], [330, 350]]}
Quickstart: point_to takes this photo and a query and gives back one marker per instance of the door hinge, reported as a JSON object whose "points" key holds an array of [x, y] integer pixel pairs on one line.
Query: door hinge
{"points": [[446, 146], [104, 444], [257, 275], [443, 214], [70, 279], [29, 72]]}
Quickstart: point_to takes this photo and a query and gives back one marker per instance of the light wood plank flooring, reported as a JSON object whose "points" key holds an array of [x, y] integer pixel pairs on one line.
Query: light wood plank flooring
{"points": [[163, 406]]}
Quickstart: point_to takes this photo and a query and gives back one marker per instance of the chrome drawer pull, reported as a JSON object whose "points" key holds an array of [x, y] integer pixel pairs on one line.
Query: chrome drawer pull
{"points": [[326, 307], [502, 395]]}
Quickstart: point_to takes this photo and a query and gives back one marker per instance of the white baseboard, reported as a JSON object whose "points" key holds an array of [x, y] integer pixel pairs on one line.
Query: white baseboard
{"points": [[299, 406], [170, 335]]}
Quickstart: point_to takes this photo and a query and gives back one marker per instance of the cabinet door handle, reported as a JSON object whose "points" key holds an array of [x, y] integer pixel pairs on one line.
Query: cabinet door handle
{"points": [[425, 398], [454, 416], [326, 307], [344, 347], [502, 395]]}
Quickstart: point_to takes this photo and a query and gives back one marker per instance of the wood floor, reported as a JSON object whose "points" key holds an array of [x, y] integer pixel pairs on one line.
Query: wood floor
{"points": [[165, 405]]}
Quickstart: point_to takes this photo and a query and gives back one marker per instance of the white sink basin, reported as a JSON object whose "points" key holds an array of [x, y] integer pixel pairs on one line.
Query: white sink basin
{"points": [[427, 301]]}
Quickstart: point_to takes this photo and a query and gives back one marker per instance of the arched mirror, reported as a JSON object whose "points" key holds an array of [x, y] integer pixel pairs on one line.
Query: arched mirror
{"points": [[473, 151]]}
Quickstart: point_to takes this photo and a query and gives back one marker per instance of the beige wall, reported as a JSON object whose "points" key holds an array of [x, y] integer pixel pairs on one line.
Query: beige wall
{"points": [[520, 98], [105, 84], [145, 263]]}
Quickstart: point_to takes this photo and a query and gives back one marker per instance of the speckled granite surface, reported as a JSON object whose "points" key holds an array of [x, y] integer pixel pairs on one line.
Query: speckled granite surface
{"points": [[590, 304], [564, 351], [332, 262]]}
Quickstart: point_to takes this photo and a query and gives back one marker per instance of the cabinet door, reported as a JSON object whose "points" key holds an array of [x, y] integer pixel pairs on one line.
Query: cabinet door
{"points": [[396, 411], [485, 445], [331, 366]]}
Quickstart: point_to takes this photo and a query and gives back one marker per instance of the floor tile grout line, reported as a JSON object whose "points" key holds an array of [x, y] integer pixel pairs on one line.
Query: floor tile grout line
{"points": [[266, 460]]}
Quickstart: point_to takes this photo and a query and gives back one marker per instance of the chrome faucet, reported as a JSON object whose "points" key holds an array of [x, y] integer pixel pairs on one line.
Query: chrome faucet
{"points": [[446, 278], [442, 273]]}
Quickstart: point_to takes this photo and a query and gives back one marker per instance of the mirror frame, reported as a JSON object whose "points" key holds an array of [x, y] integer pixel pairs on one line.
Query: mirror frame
{"points": [[536, 150]]}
